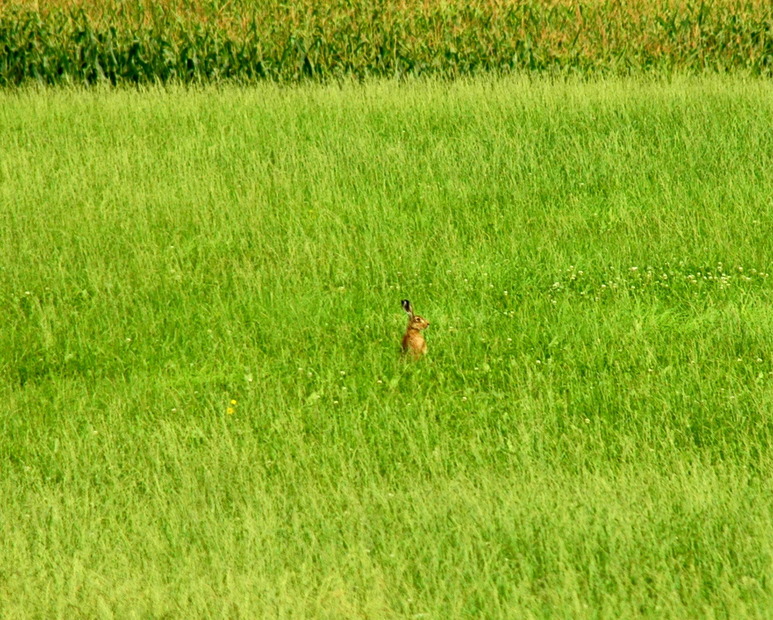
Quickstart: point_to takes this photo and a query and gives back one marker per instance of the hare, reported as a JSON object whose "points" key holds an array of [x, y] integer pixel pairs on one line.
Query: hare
{"points": [[413, 340]]}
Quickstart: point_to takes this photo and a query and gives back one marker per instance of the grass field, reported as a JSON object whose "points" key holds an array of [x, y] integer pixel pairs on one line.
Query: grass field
{"points": [[204, 412]]}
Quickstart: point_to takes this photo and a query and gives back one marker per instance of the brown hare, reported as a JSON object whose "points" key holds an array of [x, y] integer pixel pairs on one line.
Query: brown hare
{"points": [[413, 340]]}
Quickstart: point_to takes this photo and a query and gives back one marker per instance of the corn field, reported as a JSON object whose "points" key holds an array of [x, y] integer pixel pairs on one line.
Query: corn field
{"points": [[249, 40]]}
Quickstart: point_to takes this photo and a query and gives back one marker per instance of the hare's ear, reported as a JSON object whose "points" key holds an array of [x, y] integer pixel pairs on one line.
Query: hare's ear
{"points": [[407, 307]]}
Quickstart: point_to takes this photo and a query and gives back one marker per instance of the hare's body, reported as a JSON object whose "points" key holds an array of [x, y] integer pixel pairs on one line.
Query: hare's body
{"points": [[413, 340], [414, 343]]}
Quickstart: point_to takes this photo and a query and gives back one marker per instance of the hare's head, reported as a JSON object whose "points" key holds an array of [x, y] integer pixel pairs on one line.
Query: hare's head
{"points": [[418, 322], [414, 320]]}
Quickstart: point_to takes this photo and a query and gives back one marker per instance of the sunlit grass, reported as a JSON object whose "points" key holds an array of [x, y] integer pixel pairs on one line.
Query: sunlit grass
{"points": [[205, 410]]}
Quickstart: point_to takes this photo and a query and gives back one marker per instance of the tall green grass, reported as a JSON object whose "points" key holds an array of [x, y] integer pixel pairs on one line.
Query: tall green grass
{"points": [[204, 412], [204, 41]]}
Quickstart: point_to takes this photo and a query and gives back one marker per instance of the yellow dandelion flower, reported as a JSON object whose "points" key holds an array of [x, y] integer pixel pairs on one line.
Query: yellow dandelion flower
{"points": [[233, 402], [230, 410]]}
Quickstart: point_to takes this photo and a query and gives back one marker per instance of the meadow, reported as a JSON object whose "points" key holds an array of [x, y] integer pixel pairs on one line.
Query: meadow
{"points": [[203, 409]]}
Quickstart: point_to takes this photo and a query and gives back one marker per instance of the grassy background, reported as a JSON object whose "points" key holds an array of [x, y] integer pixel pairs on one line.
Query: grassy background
{"points": [[590, 435]]}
